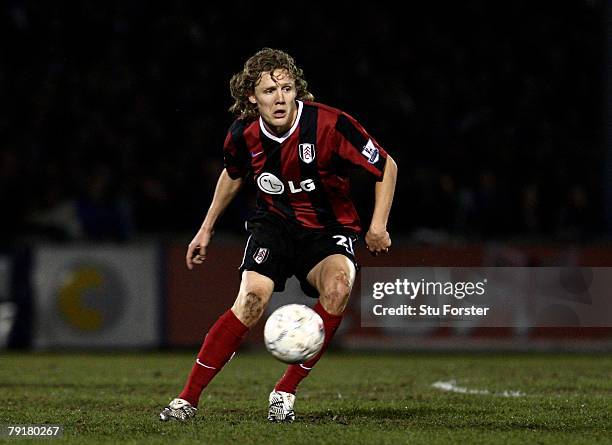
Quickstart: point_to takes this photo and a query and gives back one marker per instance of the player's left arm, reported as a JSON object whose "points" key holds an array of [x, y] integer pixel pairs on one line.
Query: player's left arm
{"points": [[377, 238]]}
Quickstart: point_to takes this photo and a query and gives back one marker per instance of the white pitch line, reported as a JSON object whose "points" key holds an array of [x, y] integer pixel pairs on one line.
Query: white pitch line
{"points": [[451, 386]]}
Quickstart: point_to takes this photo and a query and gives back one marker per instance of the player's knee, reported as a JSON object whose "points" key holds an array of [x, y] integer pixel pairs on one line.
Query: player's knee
{"points": [[342, 283], [250, 305], [336, 291]]}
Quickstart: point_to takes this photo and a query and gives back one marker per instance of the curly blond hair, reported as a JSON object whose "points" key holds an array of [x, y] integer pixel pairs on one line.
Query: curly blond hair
{"points": [[242, 84]]}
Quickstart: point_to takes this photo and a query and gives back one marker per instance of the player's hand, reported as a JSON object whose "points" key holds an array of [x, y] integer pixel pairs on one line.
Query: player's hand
{"points": [[196, 252], [378, 241]]}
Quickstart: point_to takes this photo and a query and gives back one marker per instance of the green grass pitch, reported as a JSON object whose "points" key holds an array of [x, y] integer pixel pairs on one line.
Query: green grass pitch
{"points": [[349, 398]]}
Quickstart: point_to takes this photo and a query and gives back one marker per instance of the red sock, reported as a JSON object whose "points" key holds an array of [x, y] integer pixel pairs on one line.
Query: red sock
{"points": [[296, 373], [219, 345]]}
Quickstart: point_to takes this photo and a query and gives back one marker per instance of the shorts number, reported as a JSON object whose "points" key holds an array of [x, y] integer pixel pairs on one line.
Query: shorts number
{"points": [[345, 242]]}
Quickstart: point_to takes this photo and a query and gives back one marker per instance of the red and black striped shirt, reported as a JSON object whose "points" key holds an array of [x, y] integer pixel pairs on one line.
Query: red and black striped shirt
{"points": [[302, 176]]}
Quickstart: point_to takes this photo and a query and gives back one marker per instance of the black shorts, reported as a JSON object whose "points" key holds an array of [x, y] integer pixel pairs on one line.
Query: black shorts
{"points": [[280, 249]]}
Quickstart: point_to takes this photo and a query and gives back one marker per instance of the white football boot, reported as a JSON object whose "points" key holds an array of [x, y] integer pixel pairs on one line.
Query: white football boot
{"points": [[178, 409], [281, 407]]}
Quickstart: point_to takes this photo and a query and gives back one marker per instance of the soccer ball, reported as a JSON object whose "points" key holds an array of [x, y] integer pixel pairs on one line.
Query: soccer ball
{"points": [[294, 333]]}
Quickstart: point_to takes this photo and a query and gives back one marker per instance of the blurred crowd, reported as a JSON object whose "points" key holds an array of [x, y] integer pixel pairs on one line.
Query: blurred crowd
{"points": [[113, 114]]}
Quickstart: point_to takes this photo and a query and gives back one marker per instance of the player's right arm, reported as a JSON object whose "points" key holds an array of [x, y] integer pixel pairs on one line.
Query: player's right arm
{"points": [[227, 188]]}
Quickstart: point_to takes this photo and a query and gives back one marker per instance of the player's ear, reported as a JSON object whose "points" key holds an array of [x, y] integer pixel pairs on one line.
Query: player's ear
{"points": [[252, 99]]}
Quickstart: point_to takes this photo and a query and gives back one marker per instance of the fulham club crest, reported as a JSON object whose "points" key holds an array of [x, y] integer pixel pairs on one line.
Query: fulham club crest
{"points": [[307, 152], [261, 255]]}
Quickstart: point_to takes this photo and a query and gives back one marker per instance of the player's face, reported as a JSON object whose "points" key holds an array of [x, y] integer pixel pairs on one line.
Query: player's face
{"points": [[274, 96]]}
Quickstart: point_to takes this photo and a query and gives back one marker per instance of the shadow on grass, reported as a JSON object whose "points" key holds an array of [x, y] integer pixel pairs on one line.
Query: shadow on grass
{"points": [[347, 416], [430, 417]]}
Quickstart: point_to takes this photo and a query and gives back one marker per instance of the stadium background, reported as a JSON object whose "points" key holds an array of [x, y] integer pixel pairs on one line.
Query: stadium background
{"points": [[112, 118]]}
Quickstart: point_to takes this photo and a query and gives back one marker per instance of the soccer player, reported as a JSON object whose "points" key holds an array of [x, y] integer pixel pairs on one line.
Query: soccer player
{"points": [[297, 152]]}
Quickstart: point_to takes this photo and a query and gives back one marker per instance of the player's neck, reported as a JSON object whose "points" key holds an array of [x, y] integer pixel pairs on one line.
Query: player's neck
{"points": [[283, 129]]}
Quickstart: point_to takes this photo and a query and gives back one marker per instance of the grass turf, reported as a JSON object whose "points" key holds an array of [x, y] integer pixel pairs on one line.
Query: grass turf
{"points": [[349, 398]]}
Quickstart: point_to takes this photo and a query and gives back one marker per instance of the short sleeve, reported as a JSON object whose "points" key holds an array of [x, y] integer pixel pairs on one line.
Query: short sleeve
{"points": [[235, 154], [358, 147]]}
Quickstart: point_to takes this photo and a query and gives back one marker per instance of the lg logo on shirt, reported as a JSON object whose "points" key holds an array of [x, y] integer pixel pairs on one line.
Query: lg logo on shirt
{"points": [[269, 183]]}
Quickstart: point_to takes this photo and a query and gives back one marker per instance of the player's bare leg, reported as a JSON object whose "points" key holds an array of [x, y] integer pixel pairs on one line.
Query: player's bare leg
{"points": [[333, 277], [253, 297], [221, 342]]}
